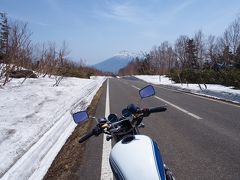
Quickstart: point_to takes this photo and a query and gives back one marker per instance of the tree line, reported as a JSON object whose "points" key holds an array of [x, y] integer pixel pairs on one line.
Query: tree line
{"points": [[17, 51], [197, 59]]}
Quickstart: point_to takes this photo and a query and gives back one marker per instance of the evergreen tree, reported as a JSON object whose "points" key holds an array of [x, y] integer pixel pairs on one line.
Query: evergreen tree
{"points": [[237, 58], [4, 32], [227, 57], [191, 50], [145, 66]]}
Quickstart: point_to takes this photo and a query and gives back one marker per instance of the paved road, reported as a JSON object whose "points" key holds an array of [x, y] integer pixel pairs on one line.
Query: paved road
{"points": [[199, 138]]}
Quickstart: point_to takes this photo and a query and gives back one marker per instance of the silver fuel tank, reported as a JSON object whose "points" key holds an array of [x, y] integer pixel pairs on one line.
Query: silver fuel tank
{"points": [[137, 157]]}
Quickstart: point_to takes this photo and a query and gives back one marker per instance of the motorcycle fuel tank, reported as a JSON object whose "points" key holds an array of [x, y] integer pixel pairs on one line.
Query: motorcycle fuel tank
{"points": [[137, 157]]}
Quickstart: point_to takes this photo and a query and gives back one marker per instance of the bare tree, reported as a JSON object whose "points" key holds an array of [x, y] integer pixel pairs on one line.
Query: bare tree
{"points": [[229, 42], [61, 63], [47, 59], [156, 60], [18, 49], [200, 46], [163, 58], [171, 58], [19, 46], [180, 50], [232, 35], [210, 49]]}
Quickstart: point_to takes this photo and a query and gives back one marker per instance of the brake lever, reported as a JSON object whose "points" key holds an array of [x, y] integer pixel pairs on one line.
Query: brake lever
{"points": [[141, 125]]}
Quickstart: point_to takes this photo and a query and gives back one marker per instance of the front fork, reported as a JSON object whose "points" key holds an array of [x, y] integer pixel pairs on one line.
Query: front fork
{"points": [[168, 173]]}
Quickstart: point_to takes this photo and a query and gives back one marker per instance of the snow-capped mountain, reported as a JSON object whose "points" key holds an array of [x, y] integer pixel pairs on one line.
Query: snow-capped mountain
{"points": [[116, 62]]}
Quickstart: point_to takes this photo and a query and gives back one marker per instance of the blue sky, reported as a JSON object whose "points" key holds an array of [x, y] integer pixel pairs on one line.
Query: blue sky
{"points": [[97, 29]]}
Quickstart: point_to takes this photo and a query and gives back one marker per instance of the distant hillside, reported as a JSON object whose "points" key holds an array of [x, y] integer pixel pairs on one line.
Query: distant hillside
{"points": [[116, 62]]}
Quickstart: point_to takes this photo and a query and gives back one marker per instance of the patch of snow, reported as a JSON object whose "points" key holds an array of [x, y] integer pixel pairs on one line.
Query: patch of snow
{"points": [[36, 121], [212, 90], [130, 55], [125, 53]]}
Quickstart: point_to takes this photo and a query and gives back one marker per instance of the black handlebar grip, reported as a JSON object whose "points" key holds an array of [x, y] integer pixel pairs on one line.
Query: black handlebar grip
{"points": [[157, 109], [85, 137]]}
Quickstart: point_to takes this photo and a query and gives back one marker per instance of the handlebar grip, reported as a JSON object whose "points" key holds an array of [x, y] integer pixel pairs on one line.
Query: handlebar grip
{"points": [[85, 137], [157, 109]]}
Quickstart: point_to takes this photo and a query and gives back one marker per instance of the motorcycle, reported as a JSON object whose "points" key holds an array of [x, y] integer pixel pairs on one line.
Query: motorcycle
{"points": [[133, 156]]}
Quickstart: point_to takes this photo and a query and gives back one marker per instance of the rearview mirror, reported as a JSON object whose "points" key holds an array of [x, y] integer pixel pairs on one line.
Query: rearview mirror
{"points": [[79, 117], [147, 91]]}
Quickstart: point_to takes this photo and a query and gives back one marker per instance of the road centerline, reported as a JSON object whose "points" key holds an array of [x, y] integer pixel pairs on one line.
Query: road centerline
{"points": [[173, 105], [106, 173]]}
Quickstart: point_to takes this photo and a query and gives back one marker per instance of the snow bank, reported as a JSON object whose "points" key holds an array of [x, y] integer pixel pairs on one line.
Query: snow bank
{"points": [[213, 90], [36, 121]]}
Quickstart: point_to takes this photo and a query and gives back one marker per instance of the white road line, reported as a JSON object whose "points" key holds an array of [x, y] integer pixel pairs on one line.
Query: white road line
{"points": [[202, 96], [106, 173], [213, 99], [135, 87], [180, 109], [175, 106]]}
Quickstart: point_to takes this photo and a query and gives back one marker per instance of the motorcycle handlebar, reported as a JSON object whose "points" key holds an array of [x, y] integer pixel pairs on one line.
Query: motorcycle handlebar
{"points": [[146, 112], [157, 109], [85, 137]]}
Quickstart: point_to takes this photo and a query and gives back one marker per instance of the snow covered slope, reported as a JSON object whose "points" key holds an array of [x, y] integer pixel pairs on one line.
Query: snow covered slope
{"points": [[35, 122], [212, 90]]}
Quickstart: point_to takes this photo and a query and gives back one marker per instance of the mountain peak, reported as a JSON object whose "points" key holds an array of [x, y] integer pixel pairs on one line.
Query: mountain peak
{"points": [[116, 62]]}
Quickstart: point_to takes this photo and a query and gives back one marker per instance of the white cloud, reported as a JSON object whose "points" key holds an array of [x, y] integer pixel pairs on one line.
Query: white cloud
{"points": [[122, 12], [178, 9], [171, 13], [133, 13], [153, 18]]}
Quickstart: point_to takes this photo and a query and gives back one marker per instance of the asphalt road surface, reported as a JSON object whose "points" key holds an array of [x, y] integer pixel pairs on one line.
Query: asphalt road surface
{"points": [[199, 138]]}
